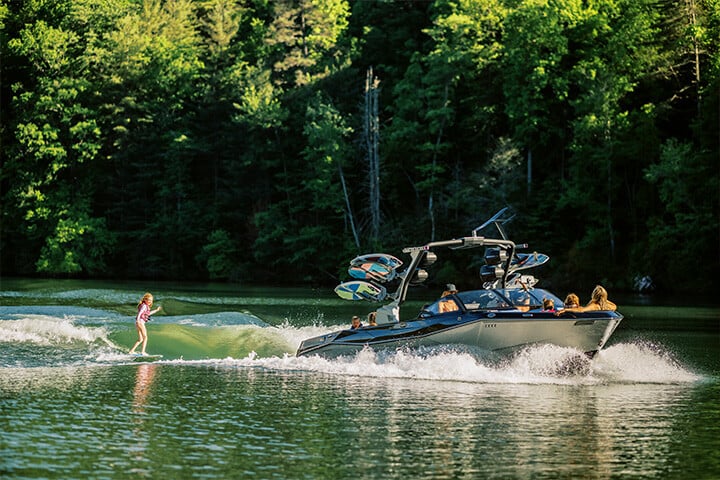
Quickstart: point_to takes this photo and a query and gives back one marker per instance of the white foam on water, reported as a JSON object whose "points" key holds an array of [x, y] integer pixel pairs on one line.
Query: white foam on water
{"points": [[641, 362], [543, 364], [444, 365], [47, 330], [633, 362], [295, 335]]}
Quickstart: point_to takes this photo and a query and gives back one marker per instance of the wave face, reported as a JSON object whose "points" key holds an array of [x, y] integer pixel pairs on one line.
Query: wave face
{"points": [[57, 336]]}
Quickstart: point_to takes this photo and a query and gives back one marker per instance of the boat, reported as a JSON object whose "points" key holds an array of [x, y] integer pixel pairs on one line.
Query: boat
{"points": [[505, 316]]}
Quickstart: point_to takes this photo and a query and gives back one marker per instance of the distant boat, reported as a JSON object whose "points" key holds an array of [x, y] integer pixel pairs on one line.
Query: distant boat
{"points": [[504, 316]]}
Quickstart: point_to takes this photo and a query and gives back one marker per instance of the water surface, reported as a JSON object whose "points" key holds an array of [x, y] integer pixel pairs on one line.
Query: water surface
{"points": [[230, 400]]}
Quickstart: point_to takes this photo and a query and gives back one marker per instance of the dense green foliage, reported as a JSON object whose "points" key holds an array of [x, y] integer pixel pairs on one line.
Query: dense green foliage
{"points": [[222, 139]]}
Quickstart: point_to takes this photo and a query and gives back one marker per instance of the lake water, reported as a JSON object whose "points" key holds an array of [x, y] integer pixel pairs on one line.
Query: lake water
{"points": [[230, 400]]}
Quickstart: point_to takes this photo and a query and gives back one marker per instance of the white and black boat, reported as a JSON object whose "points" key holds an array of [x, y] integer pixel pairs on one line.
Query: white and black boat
{"points": [[505, 316]]}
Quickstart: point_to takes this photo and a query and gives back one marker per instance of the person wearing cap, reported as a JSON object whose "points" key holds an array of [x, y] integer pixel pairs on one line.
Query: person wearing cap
{"points": [[448, 304]]}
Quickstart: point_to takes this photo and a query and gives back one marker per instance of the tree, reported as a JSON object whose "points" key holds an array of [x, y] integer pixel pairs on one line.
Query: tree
{"points": [[309, 220], [685, 176], [202, 138], [437, 85], [574, 69], [687, 184], [219, 255], [58, 137], [307, 35], [151, 68]]}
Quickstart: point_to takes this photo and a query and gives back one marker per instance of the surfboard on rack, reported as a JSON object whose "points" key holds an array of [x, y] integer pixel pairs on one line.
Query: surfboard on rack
{"points": [[359, 290], [524, 261], [372, 271], [518, 280], [382, 258]]}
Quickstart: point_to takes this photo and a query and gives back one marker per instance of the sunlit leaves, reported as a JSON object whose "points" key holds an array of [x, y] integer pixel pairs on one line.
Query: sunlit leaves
{"points": [[206, 132], [536, 58], [77, 244], [222, 23], [306, 34], [48, 49], [326, 134], [259, 100]]}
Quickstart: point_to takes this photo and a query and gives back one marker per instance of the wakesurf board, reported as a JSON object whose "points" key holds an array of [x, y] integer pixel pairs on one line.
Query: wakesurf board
{"points": [[381, 258], [523, 261], [137, 357], [372, 271], [359, 290]]}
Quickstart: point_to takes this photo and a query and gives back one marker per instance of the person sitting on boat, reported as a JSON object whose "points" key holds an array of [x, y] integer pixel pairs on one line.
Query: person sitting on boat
{"points": [[598, 301], [548, 305], [372, 316], [448, 304], [521, 299], [572, 301], [355, 323]]}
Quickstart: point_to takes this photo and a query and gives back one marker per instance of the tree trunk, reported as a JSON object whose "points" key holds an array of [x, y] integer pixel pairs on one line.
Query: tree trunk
{"points": [[438, 140], [696, 48], [529, 172], [371, 127], [347, 206]]}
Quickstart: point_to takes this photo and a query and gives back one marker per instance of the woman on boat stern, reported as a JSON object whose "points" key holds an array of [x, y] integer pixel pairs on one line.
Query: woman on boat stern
{"points": [[598, 301]]}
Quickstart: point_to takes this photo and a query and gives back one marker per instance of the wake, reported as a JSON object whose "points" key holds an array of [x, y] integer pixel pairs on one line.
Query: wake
{"points": [[626, 363], [43, 330], [236, 341]]}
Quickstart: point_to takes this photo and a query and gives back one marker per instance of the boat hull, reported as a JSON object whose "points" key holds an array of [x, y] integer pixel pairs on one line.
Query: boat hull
{"points": [[491, 331]]}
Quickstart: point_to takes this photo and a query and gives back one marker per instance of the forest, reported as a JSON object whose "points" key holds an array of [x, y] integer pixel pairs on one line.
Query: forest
{"points": [[271, 141]]}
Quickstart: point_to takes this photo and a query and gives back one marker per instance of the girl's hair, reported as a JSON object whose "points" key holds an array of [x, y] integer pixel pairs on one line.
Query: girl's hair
{"points": [[572, 299], [599, 296], [145, 298]]}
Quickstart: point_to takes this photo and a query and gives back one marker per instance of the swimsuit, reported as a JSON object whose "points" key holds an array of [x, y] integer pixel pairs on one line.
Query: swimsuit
{"points": [[143, 313]]}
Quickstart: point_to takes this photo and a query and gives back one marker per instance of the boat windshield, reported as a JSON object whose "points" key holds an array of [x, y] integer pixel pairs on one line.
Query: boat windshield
{"points": [[529, 299], [482, 300], [474, 300]]}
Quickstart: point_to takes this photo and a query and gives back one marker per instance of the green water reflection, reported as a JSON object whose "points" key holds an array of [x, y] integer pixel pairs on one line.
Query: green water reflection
{"points": [[161, 421]]}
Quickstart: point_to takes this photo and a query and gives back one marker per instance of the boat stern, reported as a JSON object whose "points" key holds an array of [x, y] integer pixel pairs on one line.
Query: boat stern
{"points": [[609, 330]]}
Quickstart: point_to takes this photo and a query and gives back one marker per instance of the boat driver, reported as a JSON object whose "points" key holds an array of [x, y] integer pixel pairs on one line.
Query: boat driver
{"points": [[448, 304], [521, 300]]}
